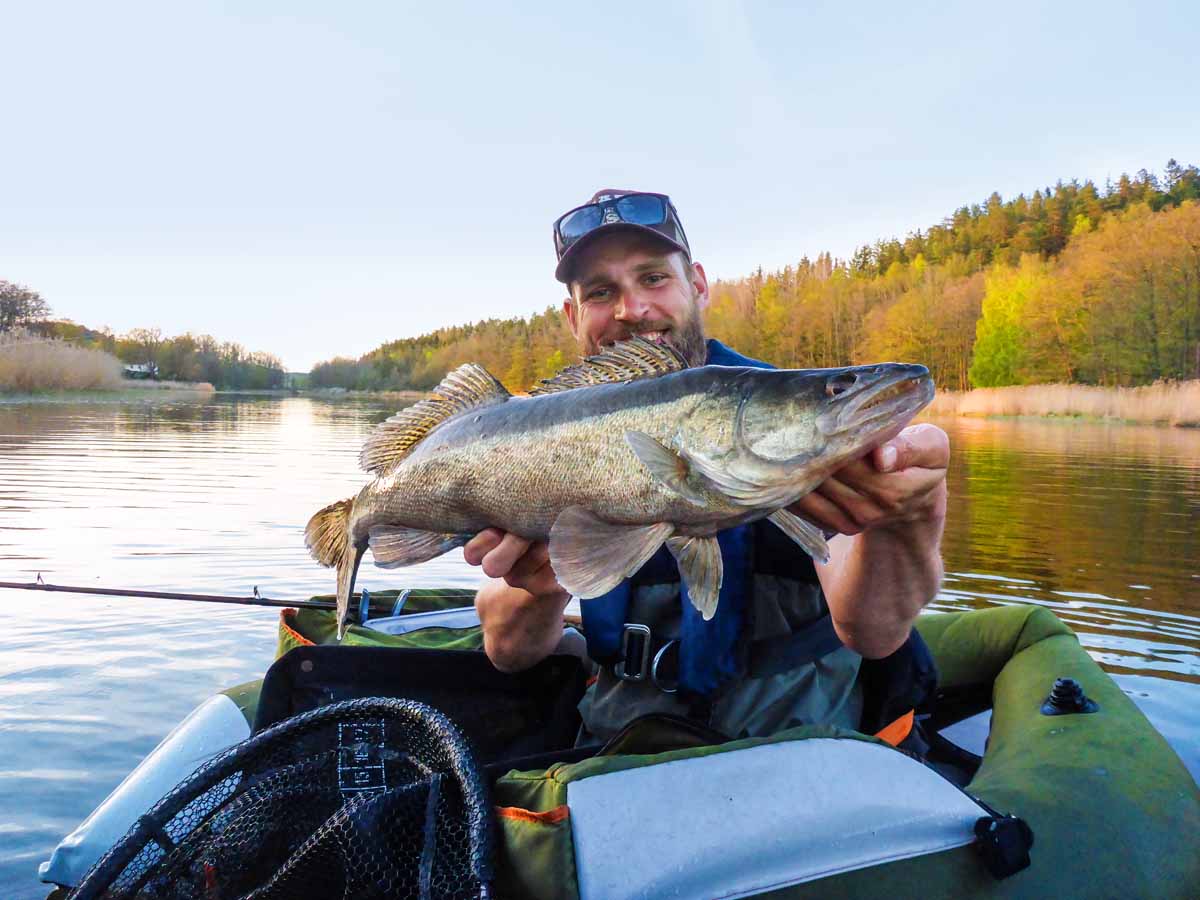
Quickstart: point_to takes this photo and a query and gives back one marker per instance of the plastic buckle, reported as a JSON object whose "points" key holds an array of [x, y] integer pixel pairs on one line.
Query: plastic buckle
{"points": [[1004, 843], [634, 664]]}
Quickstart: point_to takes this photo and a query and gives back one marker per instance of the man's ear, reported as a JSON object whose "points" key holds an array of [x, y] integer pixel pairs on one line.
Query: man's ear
{"points": [[700, 283], [571, 313]]}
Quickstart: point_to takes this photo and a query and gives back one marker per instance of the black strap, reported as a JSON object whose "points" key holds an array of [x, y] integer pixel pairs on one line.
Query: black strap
{"points": [[790, 651], [766, 657]]}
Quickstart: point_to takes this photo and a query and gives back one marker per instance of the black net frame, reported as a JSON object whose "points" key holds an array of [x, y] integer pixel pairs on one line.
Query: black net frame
{"points": [[373, 798]]}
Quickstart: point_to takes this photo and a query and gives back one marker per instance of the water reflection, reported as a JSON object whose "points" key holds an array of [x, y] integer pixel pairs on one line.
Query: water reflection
{"points": [[1097, 522]]}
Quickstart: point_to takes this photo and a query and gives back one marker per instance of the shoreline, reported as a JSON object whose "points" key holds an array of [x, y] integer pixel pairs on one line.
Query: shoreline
{"points": [[1171, 404], [129, 391], [1168, 404], [344, 394]]}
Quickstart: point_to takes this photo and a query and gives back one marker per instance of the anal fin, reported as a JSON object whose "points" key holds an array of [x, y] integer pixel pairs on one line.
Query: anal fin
{"points": [[804, 533], [590, 556], [395, 546], [700, 565]]}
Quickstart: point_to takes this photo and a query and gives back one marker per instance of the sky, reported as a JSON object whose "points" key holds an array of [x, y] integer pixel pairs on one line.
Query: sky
{"points": [[314, 179]]}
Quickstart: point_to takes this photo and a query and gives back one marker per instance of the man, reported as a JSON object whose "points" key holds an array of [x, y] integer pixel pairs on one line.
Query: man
{"points": [[628, 268]]}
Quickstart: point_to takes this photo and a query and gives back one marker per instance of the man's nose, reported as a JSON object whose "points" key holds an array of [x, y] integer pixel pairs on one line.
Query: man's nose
{"points": [[631, 306]]}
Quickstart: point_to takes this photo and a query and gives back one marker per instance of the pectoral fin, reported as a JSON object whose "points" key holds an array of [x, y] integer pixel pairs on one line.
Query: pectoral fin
{"points": [[590, 557], [767, 490], [394, 546], [665, 466], [804, 533], [699, 560]]}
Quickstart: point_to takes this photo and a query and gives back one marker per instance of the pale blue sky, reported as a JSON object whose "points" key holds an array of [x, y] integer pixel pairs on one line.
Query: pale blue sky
{"points": [[314, 179]]}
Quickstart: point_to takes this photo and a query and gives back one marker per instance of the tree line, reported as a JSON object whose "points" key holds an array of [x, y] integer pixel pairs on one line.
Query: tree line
{"points": [[1075, 283], [224, 364]]}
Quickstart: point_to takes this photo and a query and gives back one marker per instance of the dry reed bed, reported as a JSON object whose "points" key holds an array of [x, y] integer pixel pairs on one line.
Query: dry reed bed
{"points": [[30, 363], [1167, 403]]}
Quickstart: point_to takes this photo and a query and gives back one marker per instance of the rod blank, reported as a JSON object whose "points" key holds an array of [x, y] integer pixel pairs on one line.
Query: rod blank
{"points": [[255, 600]]}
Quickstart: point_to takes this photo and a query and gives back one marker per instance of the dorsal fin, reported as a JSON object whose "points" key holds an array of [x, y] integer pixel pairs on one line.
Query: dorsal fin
{"points": [[628, 360], [467, 387]]}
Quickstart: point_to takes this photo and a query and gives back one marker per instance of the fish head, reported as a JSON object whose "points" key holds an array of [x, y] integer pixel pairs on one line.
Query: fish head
{"points": [[821, 418]]}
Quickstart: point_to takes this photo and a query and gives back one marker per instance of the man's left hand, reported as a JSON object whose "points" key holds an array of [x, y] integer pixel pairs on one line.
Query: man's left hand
{"points": [[902, 480]]}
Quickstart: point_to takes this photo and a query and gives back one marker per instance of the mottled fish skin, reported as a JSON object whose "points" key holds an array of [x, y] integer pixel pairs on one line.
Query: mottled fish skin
{"points": [[515, 466], [734, 433]]}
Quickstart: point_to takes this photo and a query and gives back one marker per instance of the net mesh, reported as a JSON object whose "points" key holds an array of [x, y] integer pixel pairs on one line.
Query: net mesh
{"points": [[370, 798]]}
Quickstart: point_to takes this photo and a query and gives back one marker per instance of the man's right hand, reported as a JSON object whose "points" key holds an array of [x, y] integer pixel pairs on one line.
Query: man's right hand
{"points": [[521, 608]]}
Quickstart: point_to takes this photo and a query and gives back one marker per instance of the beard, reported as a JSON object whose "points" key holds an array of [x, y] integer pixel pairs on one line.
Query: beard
{"points": [[688, 339], [686, 336]]}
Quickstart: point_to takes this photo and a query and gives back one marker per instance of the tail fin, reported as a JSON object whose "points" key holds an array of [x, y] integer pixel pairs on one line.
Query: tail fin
{"points": [[327, 537]]}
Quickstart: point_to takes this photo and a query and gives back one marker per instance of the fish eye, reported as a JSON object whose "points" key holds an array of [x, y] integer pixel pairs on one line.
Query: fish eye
{"points": [[840, 383]]}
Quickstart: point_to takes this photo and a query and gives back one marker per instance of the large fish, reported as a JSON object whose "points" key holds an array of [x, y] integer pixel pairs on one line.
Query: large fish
{"points": [[609, 460]]}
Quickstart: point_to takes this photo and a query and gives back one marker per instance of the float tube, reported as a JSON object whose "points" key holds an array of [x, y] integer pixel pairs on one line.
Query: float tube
{"points": [[813, 812]]}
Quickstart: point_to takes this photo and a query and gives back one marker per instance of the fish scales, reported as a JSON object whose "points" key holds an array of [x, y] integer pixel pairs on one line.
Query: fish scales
{"points": [[498, 466]]}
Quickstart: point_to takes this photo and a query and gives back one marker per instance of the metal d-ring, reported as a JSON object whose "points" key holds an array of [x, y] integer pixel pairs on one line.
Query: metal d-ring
{"points": [[654, 669]]}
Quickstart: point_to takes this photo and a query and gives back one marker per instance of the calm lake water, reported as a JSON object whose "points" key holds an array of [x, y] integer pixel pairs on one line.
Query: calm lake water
{"points": [[1098, 522]]}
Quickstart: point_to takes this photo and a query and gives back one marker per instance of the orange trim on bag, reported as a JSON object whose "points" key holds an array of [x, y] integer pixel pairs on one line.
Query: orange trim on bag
{"points": [[550, 817], [897, 731], [284, 615], [591, 681]]}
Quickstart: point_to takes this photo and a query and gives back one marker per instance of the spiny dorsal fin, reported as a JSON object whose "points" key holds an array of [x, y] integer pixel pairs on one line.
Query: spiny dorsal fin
{"points": [[467, 387], [624, 361]]}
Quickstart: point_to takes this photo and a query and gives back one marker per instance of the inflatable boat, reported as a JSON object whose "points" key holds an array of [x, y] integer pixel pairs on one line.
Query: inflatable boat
{"points": [[1042, 778]]}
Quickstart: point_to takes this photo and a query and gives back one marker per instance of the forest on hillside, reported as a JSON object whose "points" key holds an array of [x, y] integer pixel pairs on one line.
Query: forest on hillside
{"points": [[1072, 284]]}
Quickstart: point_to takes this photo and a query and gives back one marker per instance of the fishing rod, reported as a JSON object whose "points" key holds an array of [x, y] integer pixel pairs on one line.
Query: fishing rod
{"points": [[256, 599]]}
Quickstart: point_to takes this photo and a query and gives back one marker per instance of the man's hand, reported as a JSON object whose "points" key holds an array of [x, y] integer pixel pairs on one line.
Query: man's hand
{"points": [[522, 564], [521, 609], [892, 503], [899, 482]]}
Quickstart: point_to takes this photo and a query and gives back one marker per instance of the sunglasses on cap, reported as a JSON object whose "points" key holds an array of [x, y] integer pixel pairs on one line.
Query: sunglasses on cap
{"points": [[651, 212]]}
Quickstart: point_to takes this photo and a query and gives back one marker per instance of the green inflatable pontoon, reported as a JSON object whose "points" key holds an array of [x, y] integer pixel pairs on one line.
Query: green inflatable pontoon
{"points": [[1080, 797]]}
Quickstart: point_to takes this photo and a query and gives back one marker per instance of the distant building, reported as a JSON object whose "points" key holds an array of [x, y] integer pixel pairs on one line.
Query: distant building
{"points": [[141, 370]]}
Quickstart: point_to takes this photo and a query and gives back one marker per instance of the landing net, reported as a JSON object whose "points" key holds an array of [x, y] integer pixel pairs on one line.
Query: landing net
{"points": [[370, 798]]}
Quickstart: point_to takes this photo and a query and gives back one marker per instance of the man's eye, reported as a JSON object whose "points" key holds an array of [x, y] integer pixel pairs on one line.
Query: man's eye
{"points": [[599, 295], [654, 278]]}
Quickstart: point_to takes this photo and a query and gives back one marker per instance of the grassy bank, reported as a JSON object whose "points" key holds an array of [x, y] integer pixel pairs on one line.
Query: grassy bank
{"points": [[1165, 403], [404, 397]]}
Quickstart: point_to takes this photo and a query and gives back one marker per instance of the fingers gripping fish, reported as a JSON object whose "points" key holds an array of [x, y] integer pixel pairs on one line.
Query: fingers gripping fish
{"points": [[609, 460]]}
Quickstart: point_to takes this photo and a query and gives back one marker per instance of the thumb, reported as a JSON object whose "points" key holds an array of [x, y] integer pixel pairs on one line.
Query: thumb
{"points": [[923, 445]]}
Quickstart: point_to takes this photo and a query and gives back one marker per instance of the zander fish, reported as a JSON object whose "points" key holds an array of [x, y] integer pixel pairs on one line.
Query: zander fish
{"points": [[610, 459]]}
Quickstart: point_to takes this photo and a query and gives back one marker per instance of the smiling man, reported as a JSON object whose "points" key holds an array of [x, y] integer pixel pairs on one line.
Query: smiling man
{"points": [[791, 651]]}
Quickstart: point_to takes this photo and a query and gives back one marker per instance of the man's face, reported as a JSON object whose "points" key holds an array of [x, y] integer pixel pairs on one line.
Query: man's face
{"points": [[627, 283]]}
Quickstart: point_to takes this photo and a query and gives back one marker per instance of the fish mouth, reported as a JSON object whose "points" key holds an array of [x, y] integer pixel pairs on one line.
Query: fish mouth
{"points": [[891, 399]]}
